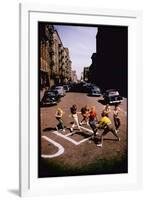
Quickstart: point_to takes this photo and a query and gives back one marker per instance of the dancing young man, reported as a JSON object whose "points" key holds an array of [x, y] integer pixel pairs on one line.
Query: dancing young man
{"points": [[93, 120], [116, 118], [106, 124], [106, 111], [59, 113], [74, 112], [85, 115]]}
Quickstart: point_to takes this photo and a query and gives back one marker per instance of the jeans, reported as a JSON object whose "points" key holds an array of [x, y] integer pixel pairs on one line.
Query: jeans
{"points": [[76, 122], [60, 125], [117, 122], [93, 125]]}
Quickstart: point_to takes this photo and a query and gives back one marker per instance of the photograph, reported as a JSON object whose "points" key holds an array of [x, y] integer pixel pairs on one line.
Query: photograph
{"points": [[82, 99]]}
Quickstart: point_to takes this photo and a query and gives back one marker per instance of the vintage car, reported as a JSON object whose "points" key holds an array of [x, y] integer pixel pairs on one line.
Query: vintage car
{"points": [[48, 101], [95, 92], [112, 96], [53, 94], [66, 88], [60, 90]]}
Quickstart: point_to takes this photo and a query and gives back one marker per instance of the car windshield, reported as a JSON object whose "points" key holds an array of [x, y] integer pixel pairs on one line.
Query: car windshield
{"points": [[59, 87], [51, 93], [96, 90], [113, 94]]}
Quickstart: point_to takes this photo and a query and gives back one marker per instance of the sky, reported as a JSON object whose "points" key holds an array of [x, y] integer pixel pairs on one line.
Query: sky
{"points": [[81, 42]]}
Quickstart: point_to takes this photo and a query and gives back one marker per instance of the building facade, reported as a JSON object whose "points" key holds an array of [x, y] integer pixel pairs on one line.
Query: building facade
{"points": [[109, 68], [86, 74], [54, 59], [74, 76]]}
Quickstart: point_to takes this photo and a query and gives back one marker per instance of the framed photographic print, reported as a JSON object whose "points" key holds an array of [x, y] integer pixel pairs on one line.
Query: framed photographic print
{"points": [[80, 100]]}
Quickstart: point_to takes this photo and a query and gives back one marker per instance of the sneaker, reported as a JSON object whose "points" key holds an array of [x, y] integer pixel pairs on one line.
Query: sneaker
{"points": [[119, 139], [99, 145], [63, 130], [71, 129], [97, 133]]}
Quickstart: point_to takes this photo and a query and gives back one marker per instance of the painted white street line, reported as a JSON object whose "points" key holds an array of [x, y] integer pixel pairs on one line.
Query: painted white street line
{"points": [[70, 134], [86, 129], [60, 148], [84, 140], [65, 137]]}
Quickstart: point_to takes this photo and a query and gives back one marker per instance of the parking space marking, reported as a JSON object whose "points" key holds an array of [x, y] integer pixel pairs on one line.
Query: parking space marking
{"points": [[86, 129], [69, 134], [59, 146], [84, 140], [66, 137]]}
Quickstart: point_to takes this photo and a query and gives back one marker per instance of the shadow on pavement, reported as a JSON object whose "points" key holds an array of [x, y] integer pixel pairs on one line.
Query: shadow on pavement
{"points": [[49, 129], [85, 135], [110, 139], [102, 101]]}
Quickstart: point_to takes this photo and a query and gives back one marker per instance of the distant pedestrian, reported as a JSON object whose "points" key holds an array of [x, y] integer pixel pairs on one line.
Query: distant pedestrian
{"points": [[59, 113], [106, 124], [107, 110], [93, 120], [74, 112], [116, 118], [85, 115]]}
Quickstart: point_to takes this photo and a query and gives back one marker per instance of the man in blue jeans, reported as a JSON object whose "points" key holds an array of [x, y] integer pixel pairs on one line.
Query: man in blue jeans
{"points": [[93, 120]]}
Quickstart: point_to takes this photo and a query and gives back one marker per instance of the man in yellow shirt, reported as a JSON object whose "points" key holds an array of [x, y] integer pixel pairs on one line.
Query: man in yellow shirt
{"points": [[107, 110], [106, 124]]}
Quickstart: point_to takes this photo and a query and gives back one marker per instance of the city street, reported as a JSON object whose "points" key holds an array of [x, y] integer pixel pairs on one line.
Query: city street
{"points": [[64, 154]]}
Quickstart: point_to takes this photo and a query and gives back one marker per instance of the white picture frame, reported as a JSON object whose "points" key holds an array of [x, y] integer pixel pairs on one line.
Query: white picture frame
{"points": [[30, 185]]}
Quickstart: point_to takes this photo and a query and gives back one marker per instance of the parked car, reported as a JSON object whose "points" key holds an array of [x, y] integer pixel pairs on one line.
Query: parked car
{"points": [[60, 90], [86, 87], [95, 92], [48, 101], [66, 88], [53, 94], [112, 96]]}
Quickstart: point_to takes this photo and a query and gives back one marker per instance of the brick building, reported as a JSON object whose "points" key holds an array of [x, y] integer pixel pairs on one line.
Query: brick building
{"points": [[86, 74], [54, 59]]}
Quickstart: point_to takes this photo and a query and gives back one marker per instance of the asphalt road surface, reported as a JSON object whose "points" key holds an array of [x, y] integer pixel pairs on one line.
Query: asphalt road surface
{"points": [[63, 154]]}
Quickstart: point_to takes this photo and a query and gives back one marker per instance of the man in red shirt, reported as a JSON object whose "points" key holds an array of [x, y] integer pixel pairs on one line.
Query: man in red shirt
{"points": [[93, 120]]}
